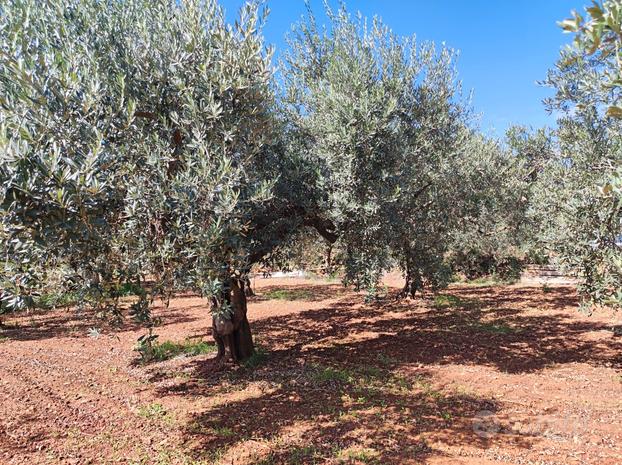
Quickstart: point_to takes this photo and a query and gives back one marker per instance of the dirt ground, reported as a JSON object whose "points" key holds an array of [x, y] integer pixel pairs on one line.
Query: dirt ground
{"points": [[476, 375]]}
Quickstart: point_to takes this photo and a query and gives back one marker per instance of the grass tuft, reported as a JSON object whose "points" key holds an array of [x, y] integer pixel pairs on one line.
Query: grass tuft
{"points": [[223, 431], [330, 374], [352, 454], [289, 294], [486, 281], [168, 349], [447, 300], [155, 412], [257, 359], [495, 328]]}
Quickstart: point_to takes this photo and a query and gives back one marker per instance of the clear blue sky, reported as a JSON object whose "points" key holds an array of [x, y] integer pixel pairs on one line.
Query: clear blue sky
{"points": [[505, 45]]}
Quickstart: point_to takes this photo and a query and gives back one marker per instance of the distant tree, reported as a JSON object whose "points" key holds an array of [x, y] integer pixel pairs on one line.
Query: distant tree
{"points": [[493, 197], [381, 119], [306, 250], [533, 151]]}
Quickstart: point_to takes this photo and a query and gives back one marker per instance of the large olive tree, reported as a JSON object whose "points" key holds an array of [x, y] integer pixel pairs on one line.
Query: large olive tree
{"points": [[139, 144]]}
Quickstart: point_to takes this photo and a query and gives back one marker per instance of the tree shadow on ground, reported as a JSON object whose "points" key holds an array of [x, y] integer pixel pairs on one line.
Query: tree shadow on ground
{"points": [[67, 322], [316, 418], [539, 297], [347, 379], [317, 409], [481, 330]]}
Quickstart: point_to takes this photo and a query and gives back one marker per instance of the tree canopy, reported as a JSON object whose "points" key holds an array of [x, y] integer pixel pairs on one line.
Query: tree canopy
{"points": [[151, 143]]}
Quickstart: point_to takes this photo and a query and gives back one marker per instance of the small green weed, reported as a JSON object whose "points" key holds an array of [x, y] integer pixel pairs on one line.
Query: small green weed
{"points": [[257, 359], [288, 294], [446, 416], [304, 455], [386, 360], [352, 454], [168, 349], [330, 374], [447, 300], [155, 411], [224, 431], [494, 328], [371, 372], [489, 281]]}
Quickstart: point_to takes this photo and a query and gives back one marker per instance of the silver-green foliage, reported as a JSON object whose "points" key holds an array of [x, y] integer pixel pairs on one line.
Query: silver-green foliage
{"points": [[133, 141], [381, 119], [491, 198], [141, 140], [598, 38], [574, 198]]}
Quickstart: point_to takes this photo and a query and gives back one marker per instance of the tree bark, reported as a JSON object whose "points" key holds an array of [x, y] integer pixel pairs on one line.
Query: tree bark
{"points": [[248, 290], [329, 259], [231, 330], [413, 283]]}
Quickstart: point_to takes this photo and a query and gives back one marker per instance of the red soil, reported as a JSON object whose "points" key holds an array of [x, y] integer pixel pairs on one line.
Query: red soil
{"points": [[491, 375]]}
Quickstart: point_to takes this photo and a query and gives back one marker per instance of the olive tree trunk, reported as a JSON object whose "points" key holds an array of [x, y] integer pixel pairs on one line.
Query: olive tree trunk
{"points": [[231, 329], [248, 290], [414, 283]]}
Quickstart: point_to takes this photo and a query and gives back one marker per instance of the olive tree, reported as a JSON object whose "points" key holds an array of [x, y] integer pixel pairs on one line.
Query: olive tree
{"points": [[139, 143], [382, 120], [598, 40], [492, 198], [574, 197]]}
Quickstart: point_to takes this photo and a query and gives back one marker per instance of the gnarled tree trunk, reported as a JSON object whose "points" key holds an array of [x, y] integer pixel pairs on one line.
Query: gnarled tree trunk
{"points": [[231, 330], [414, 283], [248, 290], [329, 259]]}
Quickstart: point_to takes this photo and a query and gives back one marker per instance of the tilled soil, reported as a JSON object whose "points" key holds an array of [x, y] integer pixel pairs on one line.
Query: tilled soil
{"points": [[476, 375]]}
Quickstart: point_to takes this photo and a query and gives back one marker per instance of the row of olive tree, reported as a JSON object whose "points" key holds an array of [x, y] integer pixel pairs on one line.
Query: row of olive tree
{"points": [[147, 142], [402, 176]]}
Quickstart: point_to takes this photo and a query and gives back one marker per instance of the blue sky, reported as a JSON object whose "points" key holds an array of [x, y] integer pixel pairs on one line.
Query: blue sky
{"points": [[505, 45]]}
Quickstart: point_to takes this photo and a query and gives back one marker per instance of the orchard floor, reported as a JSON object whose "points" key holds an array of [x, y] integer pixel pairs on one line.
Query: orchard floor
{"points": [[479, 375]]}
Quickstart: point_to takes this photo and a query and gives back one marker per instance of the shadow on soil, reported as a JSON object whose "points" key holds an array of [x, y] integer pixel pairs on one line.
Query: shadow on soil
{"points": [[365, 408], [348, 381], [500, 328], [63, 322]]}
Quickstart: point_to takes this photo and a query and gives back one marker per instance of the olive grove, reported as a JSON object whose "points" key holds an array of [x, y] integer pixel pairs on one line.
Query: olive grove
{"points": [[152, 144], [401, 171]]}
